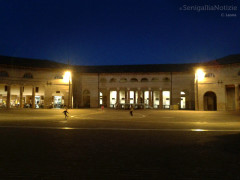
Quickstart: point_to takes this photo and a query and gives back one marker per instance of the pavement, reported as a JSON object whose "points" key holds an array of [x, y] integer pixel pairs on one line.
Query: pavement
{"points": [[111, 144]]}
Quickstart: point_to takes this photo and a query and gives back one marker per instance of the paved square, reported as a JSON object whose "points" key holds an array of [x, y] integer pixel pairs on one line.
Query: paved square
{"points": [[95, 144]]}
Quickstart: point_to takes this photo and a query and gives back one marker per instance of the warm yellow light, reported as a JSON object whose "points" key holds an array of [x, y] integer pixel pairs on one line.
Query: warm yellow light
{"points": [[200, 75], [199, 130], [67, 76]]}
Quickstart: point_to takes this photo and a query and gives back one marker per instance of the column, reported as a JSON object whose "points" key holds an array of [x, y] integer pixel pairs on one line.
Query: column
{"points": [[135, 101], [150, 97], [128, 96], [108, 98], [21, 96], [8, 96], [125, 96], [160, 99], [33, 97], [139, 97], [118, 94], [237, 96]]}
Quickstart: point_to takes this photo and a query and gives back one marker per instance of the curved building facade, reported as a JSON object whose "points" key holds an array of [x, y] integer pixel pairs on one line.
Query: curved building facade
{"points": [[32, 83]]}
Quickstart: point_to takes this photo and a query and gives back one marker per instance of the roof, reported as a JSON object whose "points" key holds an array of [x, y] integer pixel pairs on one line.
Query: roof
{"points": [[231, 59], [146, 68], [29, 63]]}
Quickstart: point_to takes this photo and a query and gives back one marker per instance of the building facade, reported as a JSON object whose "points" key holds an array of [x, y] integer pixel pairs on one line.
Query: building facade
{"points": [[31, 83]]}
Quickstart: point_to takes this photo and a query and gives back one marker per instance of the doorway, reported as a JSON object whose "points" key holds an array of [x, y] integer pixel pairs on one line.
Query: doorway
{"points": [[210, 101]]}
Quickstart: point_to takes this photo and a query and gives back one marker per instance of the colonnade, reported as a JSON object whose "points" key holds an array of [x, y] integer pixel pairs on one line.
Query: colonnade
{"points": [[136, 96], [21, 103]]}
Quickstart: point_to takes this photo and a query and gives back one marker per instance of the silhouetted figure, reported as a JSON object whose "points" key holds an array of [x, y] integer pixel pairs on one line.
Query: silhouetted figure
{"points": [[131, 110], [65, 113]]}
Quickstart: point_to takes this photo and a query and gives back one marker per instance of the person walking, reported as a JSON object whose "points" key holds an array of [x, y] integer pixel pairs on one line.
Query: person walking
{"points": [[65, 113], [131, 110]]}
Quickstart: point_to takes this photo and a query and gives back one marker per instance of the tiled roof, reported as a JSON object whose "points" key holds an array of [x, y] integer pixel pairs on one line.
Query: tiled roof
{"points": [[29, 63], [136, 68], [147, 68]]}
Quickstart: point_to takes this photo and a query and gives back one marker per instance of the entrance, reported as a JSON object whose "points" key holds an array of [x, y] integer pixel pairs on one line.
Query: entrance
{"points": [[210, 101], [156, 99], [37, 101], [183, 100], [86, 99], [230, 93], [166, 99], [113, 98], [57, 102]]}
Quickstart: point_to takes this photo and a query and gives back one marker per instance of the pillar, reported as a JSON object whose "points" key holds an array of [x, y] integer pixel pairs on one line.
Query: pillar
{"points": [[135, 101], [8, 96], [33, 97], [160, 100], [21, 96], [150, 98], [125, 96], [128, 96], [237, 97], [139, 97], [108, 98], [118, 96]]}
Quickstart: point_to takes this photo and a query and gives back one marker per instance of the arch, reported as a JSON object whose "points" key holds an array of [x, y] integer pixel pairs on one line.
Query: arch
{"points": [[210, 101], [113, 80], [4, 74], [86, 98], [210, 75], [103, 80], [134, 80], [122, 80], [28, 76], [155, 79], [144, 80]]}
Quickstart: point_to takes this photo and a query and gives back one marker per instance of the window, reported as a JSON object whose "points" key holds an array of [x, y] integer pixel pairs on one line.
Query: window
{"points": [[133, 80], [144, 80], [37, 89], [28, 76], [209, 75], [113, 80], [122, 80], [3, 74], [6, 88]]}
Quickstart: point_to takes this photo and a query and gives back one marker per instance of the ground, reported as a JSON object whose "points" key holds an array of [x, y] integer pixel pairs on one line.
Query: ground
{"points": [[96, 144]]}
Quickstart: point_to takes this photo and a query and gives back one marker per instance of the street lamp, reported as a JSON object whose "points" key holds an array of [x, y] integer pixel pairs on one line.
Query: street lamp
{"points": [[67, 78], [199, 76]]}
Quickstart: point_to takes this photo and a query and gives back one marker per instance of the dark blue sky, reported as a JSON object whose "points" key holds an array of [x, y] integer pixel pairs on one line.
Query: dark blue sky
{"points": [[105, 32]]}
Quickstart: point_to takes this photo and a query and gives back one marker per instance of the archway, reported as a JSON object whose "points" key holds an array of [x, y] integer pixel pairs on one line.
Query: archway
{"points": [[210, 101], [86, 99]]}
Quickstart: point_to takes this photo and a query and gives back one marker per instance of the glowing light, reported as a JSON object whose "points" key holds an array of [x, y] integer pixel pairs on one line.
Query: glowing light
{"points": [[67, 76], [200, 74], [198, 130], [67, 128]]}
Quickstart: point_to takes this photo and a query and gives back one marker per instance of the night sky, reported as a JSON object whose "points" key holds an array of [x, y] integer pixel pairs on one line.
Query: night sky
{"points": [[109, 32]]}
